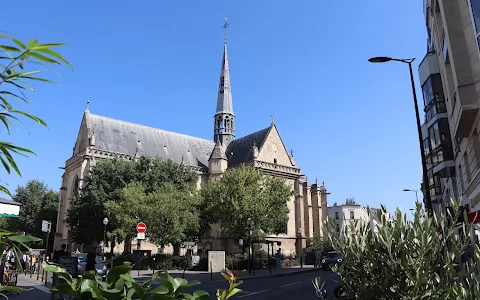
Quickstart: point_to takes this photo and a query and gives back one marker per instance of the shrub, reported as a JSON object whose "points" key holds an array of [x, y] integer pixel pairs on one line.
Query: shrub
{"points": [[121, 285], [425, 258]]}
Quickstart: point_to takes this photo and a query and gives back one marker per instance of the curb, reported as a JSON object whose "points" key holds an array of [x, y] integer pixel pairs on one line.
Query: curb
{"points": [[281, 274]]}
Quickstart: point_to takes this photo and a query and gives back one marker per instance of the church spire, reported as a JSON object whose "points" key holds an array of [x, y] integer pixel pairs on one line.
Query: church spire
{"points": [[224, 127]]}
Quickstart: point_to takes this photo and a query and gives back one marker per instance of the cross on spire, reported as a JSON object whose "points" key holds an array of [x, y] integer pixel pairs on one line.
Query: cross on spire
{"points": [[225, 26], [273, 118]]}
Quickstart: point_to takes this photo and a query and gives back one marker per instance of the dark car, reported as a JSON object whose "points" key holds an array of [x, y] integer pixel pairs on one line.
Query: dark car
{"points": [[82, 264], [330, 259]]}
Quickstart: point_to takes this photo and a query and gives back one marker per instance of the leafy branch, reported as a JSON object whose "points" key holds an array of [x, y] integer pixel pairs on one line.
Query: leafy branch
{"points": [[20, 65]]}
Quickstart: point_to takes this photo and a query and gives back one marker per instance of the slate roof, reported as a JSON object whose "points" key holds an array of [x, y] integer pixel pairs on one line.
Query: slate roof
{"points": [[128, 138], [241, 150], [10, 202]]}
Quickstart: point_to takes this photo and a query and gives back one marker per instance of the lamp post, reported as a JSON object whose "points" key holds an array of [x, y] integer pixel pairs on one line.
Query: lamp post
{"points": [[249, 228], [105, 222], [416, 192], [426, 191]]}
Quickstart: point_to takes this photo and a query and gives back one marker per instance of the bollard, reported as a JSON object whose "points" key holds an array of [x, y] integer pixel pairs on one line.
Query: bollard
{"points": [[38, 271], [183, 276], [301, 261], [46, 278], [211, 271]]}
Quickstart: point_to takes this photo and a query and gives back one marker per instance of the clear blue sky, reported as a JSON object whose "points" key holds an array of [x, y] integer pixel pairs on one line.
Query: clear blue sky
{"points": [[351, 123]]}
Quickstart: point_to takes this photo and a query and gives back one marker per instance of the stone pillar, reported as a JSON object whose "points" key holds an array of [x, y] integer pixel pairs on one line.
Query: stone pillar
{"points": [[315, 208], [299, 215], [323, 206], [307, 211]]}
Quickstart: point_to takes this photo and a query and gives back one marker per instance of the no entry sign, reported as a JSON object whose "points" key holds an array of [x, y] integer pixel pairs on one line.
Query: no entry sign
{"points": [[141, 227]]}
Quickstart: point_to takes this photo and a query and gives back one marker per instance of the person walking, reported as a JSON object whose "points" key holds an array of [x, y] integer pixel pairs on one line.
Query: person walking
{"points": [[318, 258], [278, 257]]}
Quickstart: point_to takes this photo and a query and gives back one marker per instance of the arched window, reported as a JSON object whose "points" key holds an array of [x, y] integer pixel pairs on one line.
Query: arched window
{"points": [[219, 123], [76, 186], [228, 124]]}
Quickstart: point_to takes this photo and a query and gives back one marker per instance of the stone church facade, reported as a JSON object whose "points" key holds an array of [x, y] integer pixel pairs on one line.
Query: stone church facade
{"points": [[101, 138]]}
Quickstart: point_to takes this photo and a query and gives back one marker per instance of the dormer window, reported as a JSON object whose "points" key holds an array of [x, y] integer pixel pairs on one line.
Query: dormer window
{"points": [[275, 161]]}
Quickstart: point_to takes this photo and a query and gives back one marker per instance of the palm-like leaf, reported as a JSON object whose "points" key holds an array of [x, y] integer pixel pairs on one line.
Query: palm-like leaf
{"points": [[19, 64]]}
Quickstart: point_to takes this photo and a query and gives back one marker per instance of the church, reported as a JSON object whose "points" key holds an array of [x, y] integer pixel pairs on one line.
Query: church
{"points": [[101, 137]]}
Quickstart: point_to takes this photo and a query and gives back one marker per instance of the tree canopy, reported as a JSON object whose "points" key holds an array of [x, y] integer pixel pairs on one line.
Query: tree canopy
{"points": [[127, 192], [38, 203], [243, 193]]}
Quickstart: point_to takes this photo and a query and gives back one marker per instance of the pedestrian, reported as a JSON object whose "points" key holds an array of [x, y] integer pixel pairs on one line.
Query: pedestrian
{"points": [[318, 258], [34, 263], [278, 257], [90, 260], [61, 253]]}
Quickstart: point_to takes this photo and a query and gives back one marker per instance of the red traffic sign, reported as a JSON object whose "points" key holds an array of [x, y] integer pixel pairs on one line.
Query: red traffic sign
{"points": [[141, 227]]}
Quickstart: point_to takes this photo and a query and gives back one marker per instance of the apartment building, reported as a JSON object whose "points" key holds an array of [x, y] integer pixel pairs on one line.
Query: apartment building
{"points": [[450, 79], [346, 215]]}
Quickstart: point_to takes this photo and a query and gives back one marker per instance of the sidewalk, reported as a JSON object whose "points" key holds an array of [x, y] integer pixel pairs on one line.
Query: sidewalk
{"points": [[206, 276]]}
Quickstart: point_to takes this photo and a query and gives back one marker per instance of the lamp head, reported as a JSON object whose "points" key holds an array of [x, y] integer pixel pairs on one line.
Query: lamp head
{"points": [[380, 59]]}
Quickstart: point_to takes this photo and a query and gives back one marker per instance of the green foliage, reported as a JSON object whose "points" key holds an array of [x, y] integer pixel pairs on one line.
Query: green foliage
{"points": [[20, 65], [121, 285], [427, 258], [319, 242], [124, 191], [38, 203], [244, 193], [18, 244], [234, 283]]}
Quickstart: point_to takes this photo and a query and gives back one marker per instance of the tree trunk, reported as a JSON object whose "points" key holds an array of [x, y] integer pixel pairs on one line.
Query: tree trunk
{"points": [[176, 249], [112, 246]]}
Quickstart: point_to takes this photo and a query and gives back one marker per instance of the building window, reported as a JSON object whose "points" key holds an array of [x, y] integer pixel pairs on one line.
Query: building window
{"points": [[460, 175], [434, 183], [445, 48], [275, 161], [467, 169], [433, 97], [441, 148], [352, 214], [338, 227], [475, 8], [336, 215]]}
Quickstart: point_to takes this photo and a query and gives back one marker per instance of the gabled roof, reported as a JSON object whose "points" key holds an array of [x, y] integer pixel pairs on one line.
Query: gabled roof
{"points": [[241, 151], [10, 202], [131, 139]]}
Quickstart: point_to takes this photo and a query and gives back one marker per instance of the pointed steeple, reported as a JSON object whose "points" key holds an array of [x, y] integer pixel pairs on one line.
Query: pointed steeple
{"points": [[224, 123]]}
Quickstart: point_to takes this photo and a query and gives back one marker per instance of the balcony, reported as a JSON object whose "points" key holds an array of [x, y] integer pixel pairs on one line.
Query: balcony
{"points": [[443, 160], [427, 67]]}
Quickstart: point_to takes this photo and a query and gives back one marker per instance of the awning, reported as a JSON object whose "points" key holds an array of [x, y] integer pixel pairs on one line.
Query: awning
{"points": [[9, 215], [474, 217]]}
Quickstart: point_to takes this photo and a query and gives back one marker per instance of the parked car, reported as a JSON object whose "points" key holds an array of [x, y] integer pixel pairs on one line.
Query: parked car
{"points": [[330, 259], [82, 264]]}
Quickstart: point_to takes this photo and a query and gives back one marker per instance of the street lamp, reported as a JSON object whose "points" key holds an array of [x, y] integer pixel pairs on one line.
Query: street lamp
{"points": [[249, 228], [416, 192], [105, 222], [426, 191]]}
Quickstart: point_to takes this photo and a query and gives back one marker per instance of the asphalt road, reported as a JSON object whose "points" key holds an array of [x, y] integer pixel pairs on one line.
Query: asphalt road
{"points": [[286, 287]]}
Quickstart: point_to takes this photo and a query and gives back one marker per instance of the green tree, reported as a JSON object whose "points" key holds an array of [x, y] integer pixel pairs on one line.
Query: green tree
{"points": [[424, 258], [171, 214], [20, 65], [105, 184], [243, 193], [175, 216], [38, 203]]}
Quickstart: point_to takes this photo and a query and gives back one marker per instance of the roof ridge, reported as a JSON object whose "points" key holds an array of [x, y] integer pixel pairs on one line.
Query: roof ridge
{"points": [[150, 127], [245, 136]]}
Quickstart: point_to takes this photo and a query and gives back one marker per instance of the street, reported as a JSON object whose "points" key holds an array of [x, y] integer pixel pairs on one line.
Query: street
{"points": [[284, 287]]}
